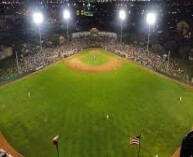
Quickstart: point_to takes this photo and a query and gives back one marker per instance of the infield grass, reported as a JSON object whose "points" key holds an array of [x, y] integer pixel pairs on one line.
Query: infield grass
{"points": [[95, 59], [74, 105]]}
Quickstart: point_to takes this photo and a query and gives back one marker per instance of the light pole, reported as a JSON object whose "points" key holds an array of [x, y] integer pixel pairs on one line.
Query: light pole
{"points": [[17, 62], [168, 61], [122, 16], [38, 19], [150, 19], [66, 16]]}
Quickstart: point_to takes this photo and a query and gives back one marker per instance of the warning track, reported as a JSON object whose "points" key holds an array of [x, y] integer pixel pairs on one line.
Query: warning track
{"points": [[7, 147]]}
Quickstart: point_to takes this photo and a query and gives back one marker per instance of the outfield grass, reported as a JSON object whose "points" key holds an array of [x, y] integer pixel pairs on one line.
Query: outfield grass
{"points": [[74, 105]]}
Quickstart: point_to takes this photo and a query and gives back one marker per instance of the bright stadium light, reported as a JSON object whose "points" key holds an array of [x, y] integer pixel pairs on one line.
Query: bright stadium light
{"points": [[150, 19], [122, 16], [38, 20], [66, 16]]}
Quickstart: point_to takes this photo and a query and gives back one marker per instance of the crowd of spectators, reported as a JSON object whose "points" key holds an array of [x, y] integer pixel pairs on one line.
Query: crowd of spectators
{"points": [[136, 54], [151, 60], [154, 61]]}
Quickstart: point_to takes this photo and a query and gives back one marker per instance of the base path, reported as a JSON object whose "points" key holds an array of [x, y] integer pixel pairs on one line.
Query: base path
{"points": [[7, 147], [77, 65]]}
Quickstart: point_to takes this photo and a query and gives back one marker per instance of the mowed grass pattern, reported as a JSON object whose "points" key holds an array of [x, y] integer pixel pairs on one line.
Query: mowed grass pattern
{"points": [[74, 105]]}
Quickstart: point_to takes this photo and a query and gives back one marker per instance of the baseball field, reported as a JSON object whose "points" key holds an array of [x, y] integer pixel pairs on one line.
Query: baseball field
{"points": [[73, 97]]}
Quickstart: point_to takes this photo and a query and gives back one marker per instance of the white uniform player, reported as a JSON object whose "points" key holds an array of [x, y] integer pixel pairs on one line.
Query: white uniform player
{"points": [[29, 94]]}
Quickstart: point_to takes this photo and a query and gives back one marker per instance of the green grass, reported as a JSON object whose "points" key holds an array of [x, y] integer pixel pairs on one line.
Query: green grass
{"points": [[74, 105], [95, 59]]}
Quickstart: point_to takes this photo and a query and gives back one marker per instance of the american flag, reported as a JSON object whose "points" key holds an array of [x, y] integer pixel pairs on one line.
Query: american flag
{"points": [[55, 141], [135, 140]]}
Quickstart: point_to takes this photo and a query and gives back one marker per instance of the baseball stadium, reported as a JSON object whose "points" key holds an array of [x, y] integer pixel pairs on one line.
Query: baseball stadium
{"points": [[94, 96]]}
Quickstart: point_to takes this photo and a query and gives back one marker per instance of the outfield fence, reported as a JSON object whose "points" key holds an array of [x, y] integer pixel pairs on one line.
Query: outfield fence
{"points": [[14, 77]]}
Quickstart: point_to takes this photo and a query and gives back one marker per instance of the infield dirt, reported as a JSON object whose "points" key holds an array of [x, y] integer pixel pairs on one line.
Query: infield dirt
{"points": [[77, 65]]}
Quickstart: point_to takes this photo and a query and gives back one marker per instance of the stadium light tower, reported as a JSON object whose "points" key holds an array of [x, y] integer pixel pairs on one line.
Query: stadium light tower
{"points": [[38, 19], [150, 19], [122, 16], [66, 16]]}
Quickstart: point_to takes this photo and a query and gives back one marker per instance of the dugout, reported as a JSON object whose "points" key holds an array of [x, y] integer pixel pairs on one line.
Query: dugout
{"points": [[187, 146]]}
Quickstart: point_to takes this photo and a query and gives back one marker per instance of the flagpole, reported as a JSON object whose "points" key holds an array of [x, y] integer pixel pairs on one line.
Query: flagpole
{"points": [[139, 145], [56, 143], [57, 151]]}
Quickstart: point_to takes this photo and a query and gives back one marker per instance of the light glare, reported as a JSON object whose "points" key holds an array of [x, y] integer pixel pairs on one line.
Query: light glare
{"points": [[151, 18], [38, 18], [66, 14], [122, 14]]}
